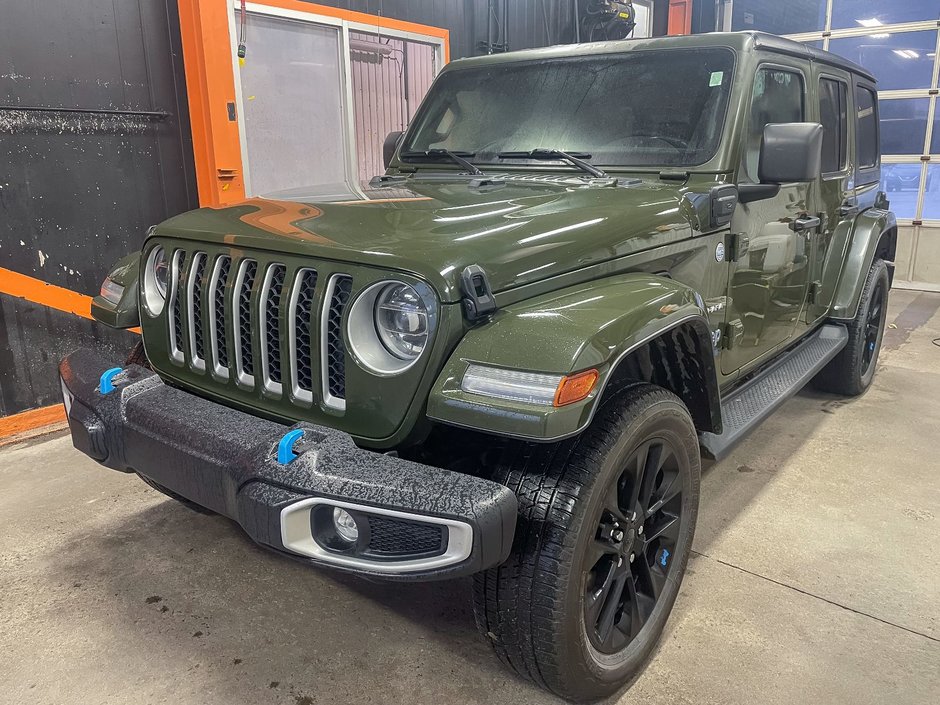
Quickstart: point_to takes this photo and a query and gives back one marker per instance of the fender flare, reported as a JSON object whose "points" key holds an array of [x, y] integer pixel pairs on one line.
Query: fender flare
{"points": [[124, 314], [588, 326], [869, 229]]}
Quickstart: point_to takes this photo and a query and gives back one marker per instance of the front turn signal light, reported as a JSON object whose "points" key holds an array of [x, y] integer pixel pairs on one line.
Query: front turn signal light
{"points": [[574, 388]]}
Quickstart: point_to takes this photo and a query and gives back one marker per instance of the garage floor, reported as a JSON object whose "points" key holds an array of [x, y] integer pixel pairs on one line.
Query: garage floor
{"points": [[816, 578]]}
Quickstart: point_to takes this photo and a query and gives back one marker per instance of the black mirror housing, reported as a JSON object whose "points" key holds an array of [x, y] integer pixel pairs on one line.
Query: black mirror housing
{"points": [[389, 146], [790, 152]]}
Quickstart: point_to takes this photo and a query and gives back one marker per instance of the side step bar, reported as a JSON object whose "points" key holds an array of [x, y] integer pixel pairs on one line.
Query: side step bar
{"points": [[759, 397]]}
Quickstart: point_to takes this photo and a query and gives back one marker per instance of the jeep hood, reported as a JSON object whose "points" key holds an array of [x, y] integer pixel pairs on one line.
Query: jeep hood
{"points": [[521, 229]]}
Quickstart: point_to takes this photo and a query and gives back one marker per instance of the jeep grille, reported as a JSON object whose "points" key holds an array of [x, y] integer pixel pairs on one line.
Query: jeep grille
{"points": [[257, 325]]}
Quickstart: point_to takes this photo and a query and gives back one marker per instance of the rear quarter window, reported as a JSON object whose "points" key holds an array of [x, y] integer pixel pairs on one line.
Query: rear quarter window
{"points": [[866, 127]]}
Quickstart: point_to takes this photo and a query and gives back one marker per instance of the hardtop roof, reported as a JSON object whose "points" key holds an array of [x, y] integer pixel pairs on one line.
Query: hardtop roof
{"points": [[738, 41]]}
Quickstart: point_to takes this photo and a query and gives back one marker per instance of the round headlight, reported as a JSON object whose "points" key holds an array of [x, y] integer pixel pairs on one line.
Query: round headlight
{"points": [[156, 276], [401, 321], [389, 326]]}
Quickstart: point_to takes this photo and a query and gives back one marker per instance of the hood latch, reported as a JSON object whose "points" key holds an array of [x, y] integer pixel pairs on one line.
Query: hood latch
{"points": [[478, 300]]}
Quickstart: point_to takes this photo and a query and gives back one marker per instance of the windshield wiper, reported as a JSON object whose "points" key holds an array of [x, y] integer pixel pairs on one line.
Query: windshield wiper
{"points": [[456, 157], [573, 158]]}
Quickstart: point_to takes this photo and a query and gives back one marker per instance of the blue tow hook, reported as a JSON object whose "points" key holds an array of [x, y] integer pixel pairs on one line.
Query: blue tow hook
{"points": [[285, 447], [106, 384]]}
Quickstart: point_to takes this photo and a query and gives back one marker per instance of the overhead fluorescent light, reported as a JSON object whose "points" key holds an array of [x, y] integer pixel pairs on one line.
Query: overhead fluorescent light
{"points": [[872, 22], [879, 36], [907, 53]]}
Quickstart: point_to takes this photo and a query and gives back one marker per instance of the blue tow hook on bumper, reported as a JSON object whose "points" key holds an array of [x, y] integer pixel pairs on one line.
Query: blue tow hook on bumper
{"points": [[305, 490]]}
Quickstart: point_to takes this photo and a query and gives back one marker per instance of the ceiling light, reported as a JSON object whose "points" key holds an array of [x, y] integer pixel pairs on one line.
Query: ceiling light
{"points": [[873, 22], [879, 36], [907, 53]]}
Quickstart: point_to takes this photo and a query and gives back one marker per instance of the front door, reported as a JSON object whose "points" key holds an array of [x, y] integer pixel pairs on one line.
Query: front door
{"points": [[769, 275]]}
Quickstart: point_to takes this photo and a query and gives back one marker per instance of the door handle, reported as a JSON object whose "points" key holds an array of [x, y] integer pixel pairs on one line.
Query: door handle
{"points": [[803, 223]]}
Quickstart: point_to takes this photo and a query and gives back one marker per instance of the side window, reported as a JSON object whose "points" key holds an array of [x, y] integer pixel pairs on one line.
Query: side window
{"points": [[866, 128], [777, 97], [834, 118]]}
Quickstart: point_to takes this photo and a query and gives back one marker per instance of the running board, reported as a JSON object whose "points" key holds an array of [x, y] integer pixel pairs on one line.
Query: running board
{"points": [[759, 397]]}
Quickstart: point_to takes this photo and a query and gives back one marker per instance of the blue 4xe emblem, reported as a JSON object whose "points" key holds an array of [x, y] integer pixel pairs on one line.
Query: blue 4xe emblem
{"points": [[664, 557]]}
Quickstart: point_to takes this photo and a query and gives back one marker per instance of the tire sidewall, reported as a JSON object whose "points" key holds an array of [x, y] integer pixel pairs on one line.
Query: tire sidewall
{"points": [[878, 276], [668, 419]]}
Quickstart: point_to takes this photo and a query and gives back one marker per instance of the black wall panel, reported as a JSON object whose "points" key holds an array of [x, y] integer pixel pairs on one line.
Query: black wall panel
{"points": [[79, 189]]}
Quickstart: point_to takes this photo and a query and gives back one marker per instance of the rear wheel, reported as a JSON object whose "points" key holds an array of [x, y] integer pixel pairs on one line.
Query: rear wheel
{"points": [[852, 370], [604, 534]]}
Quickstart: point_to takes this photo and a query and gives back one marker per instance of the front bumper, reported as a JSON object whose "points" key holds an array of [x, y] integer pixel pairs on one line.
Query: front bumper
{"points": [[227, 461]]}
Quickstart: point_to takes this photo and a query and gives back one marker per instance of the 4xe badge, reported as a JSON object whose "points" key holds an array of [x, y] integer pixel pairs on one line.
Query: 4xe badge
{"points": [[720, 252]]}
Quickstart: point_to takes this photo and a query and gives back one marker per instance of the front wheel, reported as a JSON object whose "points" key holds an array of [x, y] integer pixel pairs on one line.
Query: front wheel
{"points": [[604, 534]]}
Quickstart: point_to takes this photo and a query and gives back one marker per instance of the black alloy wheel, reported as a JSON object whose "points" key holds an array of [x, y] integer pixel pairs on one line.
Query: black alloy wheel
{"points": [[874, 323], [628, 563]]}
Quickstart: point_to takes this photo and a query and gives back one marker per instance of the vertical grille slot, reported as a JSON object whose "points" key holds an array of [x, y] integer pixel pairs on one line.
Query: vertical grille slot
{"points": [[270, 327], [241, 315], [333, 348], [218, 346], [197, 346], [301, 334], [175, 310]]}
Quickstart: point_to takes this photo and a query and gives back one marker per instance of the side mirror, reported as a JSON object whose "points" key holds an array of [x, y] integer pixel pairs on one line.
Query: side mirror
{"points": [[789, 152], [389, 146]]}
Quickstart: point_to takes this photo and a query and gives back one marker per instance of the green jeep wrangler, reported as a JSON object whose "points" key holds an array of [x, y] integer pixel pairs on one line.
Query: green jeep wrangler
{"points": [[584, 268]]}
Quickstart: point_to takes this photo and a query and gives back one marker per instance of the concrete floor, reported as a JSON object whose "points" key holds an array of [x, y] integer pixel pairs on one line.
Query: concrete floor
{"points": [[816, 578]]}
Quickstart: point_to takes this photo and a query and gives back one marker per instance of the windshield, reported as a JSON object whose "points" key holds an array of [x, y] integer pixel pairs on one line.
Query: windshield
{"points": [[640, 108]]}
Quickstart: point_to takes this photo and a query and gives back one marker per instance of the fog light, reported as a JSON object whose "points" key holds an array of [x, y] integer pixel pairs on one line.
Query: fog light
{"points": [[345, 525]]}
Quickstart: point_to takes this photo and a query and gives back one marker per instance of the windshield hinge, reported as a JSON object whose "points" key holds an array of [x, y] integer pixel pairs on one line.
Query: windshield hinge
{"points": [[478, 301], [737, 246]]}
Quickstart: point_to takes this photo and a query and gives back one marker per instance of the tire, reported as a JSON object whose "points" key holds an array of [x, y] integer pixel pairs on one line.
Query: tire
{"points": [[137, 356], [538, 609], [198, 508], [851, 372]]}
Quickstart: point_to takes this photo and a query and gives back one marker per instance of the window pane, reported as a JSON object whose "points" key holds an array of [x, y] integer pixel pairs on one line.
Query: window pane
{"points": [[832, 113], [935, 135], [866, 13], [901, 60], [932, 196], [789, 17], [866, 131], [903, 125], [293, 113], [777, 97], [902, 183], [390, 77]]}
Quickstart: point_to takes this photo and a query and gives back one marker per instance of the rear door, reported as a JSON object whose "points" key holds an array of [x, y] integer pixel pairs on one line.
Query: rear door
{"points": [[837, 206], [768, 278]]}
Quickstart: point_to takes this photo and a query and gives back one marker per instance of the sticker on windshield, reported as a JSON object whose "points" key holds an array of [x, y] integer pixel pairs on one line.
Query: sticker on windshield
{"points": [[715, 78]]}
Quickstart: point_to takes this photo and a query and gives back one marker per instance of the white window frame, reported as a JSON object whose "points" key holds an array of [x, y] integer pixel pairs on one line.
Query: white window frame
{"points": [[346, 83]]}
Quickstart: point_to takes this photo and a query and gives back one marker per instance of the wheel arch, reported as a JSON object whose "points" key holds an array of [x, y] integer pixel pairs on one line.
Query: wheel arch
{"points": [[632, 328], [680, 360], [875, 234]]}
